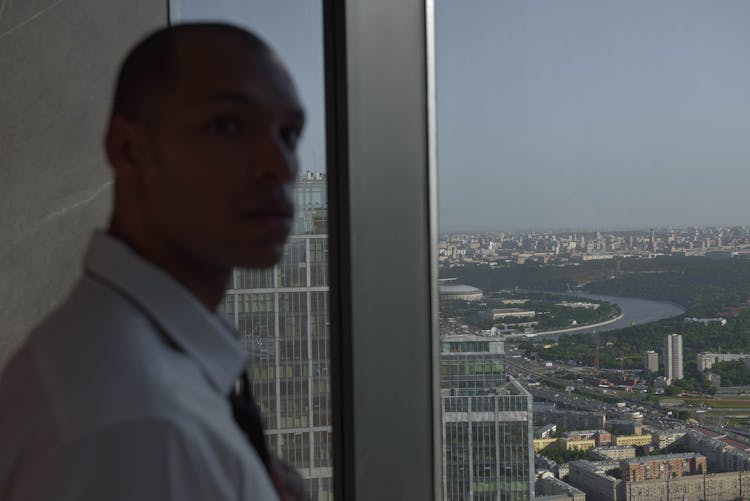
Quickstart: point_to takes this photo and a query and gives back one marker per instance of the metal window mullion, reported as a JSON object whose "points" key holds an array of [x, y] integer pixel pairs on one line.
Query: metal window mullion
{"points": [[443, 450], [381, 295], [277, 365], [470, 440], [308, 327], [498, 450], [235, 299]]}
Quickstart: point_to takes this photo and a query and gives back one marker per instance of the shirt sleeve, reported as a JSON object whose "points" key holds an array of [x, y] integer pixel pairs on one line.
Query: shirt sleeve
{"points": [[146, 460]]}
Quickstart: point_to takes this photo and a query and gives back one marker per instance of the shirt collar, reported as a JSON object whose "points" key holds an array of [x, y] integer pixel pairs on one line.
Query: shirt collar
{"points": [[199, 332]]}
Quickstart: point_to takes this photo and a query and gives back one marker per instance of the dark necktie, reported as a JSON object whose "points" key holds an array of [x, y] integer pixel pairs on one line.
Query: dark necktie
{"points": [[248, 418]]}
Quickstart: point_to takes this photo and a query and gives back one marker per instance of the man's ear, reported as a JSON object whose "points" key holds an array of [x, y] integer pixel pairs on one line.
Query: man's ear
{"points": [[123, 145]]}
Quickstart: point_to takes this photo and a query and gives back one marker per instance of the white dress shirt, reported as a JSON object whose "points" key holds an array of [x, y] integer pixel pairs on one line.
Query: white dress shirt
{"points": [[121, 394]]}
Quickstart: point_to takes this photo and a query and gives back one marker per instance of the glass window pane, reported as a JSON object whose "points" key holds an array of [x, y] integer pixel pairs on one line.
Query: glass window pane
{"points": [[282, 312], [593, 239]]}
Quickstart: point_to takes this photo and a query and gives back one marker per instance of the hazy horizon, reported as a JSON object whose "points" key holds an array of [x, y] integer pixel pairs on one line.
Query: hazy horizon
{"points": [[582, 230], [592, 114]]}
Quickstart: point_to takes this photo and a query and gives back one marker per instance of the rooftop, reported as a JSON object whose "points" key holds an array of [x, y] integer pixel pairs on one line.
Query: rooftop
{"points": [[735, 443], [462, 338], [600, 467], [708, 432], [447, 289], [663, 457]]}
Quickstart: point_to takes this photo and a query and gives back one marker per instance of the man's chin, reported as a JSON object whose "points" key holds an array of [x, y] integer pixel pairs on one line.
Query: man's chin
{"points": [[265, 257]]}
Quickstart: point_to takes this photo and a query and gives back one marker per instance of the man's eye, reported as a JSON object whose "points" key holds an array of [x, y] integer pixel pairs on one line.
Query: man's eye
{"points": [[226, 126], [290, 137]]}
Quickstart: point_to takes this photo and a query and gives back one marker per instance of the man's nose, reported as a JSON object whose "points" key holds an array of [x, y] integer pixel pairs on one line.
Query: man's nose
{"points": [[272, 158]]}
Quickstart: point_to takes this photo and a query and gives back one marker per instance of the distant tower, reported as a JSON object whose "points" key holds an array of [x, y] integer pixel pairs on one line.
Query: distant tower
{"points": [[653, 240], [673, 357], [651, 361]]}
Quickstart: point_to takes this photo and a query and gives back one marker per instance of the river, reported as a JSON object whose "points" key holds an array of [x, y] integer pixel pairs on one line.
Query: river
{"points": [[634, 310]]}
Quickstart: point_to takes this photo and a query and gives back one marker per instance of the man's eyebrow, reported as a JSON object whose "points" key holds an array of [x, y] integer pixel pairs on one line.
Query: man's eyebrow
{"points": [[252, 101], [236, 97]]}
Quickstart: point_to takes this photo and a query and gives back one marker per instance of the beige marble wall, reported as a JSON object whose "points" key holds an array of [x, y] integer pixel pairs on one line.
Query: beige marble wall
{"points": [[57, 63]]}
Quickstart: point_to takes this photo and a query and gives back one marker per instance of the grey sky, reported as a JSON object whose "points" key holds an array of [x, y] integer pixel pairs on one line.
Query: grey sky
{"points": [[588, 114], [593, 113], [294, 28]]}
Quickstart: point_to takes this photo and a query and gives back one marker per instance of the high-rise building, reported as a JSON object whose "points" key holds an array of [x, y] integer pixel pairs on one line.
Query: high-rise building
{"points": [[651, 361], [673, 357], [487, 449], [281, 314]]}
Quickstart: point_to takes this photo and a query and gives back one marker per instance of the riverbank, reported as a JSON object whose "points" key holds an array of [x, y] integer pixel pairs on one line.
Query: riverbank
{"points": [[579, 329], [633, 311]]}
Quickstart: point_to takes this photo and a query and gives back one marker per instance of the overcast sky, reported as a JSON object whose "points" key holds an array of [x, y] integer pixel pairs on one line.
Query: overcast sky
{"points": [[593, 113], [580, 114]]}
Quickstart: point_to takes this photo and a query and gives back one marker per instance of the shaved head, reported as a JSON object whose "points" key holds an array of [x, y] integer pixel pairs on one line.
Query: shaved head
{"points": [[202, 138], [152, 68]]}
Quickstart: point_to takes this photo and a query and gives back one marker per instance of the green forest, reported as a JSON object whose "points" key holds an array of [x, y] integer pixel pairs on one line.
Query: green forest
{"points": [[705, 287]]}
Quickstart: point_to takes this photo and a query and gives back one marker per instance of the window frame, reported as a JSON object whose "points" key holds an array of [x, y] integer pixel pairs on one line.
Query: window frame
{"points": [[382, 202]]}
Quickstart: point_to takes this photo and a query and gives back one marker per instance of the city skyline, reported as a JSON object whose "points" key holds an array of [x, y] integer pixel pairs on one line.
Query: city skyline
{"points": [[581, 230]]}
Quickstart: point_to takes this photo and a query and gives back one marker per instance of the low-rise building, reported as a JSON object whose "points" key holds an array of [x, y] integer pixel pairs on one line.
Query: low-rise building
{"points": [[549, 488], [569, 444], [663, 466], [720, 486], [542, 443], [500, 313], [579, 304], [714, 379], [514, 301], [706, 321], [724, 453], [595, 479], [626, 426], [613, 452], [545, 431], [598, 481], [665, 438], [634, 440], [602, 437], [707, 360]]}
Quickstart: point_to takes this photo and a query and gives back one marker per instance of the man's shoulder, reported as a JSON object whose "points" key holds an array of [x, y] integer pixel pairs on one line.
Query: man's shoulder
{"points": [[96, 357], [97, 370], [174, 459], [95, 334]]}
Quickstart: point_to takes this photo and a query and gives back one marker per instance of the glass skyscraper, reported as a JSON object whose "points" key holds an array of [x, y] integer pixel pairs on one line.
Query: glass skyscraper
{"points": [[282, 316], [487, 421]]}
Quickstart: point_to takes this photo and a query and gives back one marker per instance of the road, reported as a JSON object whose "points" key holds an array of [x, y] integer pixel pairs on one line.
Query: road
{"points": [[529, 373]]}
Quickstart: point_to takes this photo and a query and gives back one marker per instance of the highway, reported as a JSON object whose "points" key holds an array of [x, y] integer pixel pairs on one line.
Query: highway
{"points": [[530, 373]]}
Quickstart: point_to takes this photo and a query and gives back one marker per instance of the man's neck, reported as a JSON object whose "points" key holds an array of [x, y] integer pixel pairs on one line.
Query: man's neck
{"points": [[206, 283]]}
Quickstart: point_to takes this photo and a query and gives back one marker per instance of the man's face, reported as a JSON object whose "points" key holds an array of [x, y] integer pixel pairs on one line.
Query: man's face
{"points": [[223, 156]]}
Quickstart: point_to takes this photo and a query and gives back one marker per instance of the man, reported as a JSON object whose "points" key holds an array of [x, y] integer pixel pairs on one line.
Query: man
{"points": [[128, 390]]}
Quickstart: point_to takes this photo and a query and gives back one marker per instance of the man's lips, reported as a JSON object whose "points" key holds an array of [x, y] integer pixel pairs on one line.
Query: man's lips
{"points": [[276, 221]]}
